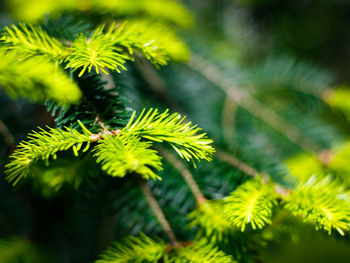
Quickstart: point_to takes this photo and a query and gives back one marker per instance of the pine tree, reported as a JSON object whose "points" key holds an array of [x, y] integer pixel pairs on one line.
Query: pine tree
{"points": [[139, 180]]}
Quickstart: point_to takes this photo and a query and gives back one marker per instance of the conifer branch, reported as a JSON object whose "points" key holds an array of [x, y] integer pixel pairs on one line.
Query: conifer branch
{"points": [[200, 251], [183, 137], [158, 212], [41, 146], [27, 41], [37, 79], [163, 10], [322, 202], [246, 101], [251, 203], [120, 155], [134, 249], [211, 220]]}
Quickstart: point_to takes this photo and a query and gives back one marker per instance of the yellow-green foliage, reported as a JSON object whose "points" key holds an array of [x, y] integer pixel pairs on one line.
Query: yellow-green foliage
{"points": [[36, 79], [200, 251], [104, 49], [28, 41], [134, 249], [18, 250], [339, 100], [211, 220], [251, 203], [127, 154], [168, 10], [323, 203], [340, 162], [304, 165], [119, 154], [183, 137], [111, 49], [41, 146]]}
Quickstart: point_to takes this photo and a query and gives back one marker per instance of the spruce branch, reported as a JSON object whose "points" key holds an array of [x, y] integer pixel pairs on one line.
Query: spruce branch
{"points": [[27, 41], [120, 155], [41, 146], [137, 249], [323, 203], [183, 137], [163, 10], [248, 102], [111, 49], [211, 220], [37, 79], [98, 51], [200, 251], [251, 203]]}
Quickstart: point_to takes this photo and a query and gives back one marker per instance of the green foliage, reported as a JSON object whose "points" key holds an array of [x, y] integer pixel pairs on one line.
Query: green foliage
{"points": [[183, 137], [166, 10], [41, 146], [251, 203], [134, 249], [199, 252], [278, 72], [28, 41], [338, 99], [121, 155], [323, 203], [339, 162], [211, 220], [110, 50], [303, 166], [36, 79], [16, 250], [156, 41], [98, 52], [105, 103]]}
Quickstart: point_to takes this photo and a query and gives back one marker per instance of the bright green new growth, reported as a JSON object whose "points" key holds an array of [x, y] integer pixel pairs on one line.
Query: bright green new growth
{"points": [[41, 146], [209, 217], [121, 155], [322, 203], [183, 137], [251, 203], [134, 249], [165, 10], [200, 251], [28, 41], [36, 79], [102, 50], [338, 99], [110, 50]]}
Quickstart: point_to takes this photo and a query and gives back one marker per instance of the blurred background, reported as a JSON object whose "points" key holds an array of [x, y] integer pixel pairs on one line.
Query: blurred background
{"points": [[286, 53]]}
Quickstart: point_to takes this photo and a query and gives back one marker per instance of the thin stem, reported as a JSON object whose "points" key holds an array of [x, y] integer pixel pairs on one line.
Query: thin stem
{"points": [[246, 101], [8, 138], [185, 173], [228, 120], [158, 212], [233, 161]]}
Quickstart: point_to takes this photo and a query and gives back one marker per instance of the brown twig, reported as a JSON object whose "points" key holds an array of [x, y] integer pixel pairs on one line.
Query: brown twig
{"points": [[158, 212], [185, 173]]}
